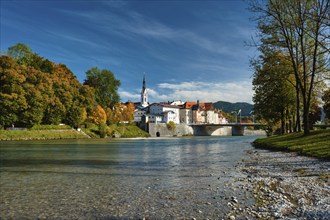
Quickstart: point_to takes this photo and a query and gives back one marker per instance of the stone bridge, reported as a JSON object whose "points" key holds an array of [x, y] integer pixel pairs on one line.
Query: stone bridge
{"points": [[237, 129]]}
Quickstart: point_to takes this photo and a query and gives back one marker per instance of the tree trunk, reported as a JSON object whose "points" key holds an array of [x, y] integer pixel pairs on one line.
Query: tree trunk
{"points": [[306, 116], [282, 122], [298, 123], [293, 123]]}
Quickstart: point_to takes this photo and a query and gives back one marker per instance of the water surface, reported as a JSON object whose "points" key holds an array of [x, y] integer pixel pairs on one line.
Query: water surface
{"points": [[126, 178]]}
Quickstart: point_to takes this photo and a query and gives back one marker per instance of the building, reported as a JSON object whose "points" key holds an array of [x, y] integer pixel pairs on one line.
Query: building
{"points": [[186, 112], [167, 111], [199, 113]]}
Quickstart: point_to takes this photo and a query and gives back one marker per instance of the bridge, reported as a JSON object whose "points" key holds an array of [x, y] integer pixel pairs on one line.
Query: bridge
{"points": [[237, 129]]}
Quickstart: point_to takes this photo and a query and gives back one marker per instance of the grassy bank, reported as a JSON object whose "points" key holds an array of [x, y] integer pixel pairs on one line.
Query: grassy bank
{"points": [[130, 131], [316, 144], [43, 132], [40, 134], [121, 130]]}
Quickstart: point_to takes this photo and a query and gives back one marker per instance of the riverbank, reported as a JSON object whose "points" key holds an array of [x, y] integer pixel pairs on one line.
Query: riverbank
{"points": [[286, 186], [41, 135], [50, 132], [316, 144]]}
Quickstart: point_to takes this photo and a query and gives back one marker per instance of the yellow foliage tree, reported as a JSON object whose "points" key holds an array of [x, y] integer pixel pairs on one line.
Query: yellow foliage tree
{"points": [[120, 113], [98, 115], [129, 112]]}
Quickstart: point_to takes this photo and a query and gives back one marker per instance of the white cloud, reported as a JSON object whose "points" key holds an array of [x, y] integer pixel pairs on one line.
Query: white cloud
{"points": [[125, 96], [193, 91]]}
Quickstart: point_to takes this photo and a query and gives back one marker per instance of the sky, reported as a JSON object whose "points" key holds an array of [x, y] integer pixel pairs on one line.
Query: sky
{"points": [[188, 50]]}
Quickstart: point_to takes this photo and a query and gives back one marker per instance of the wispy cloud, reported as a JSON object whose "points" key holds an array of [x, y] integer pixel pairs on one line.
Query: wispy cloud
{"points": [[203, 91]]}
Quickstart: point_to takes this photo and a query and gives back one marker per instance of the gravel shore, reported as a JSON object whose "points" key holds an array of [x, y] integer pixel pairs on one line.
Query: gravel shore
{"points": [[286, 186]]}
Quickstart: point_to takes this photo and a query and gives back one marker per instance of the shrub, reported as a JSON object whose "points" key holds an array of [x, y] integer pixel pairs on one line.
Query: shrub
{"points": [[103, 130], [170, 125]]}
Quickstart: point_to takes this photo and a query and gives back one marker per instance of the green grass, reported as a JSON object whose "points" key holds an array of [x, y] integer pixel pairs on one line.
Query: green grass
{"points": [[122, 130], [316, 144], [50, 127], [131, 131], [64, 131], [39, 134]]}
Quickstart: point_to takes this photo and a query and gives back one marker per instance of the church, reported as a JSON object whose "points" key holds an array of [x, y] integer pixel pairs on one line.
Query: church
{"points": [[141, 108]]}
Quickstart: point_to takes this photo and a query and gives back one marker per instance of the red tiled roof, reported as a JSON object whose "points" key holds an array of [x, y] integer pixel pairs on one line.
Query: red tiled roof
{"points": [[205, 105]]}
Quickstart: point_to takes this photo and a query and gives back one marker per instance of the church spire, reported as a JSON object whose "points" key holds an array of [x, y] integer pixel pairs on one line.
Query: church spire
{"points": [[144, 94], [144, 82]]}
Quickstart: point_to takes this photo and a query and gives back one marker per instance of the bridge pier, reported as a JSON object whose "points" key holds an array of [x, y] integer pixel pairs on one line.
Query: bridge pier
{"points": [[237, 130]]}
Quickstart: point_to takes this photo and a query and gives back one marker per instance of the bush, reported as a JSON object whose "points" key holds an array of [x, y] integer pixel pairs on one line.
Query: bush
{"points": [[103, 130], [171, 126]]}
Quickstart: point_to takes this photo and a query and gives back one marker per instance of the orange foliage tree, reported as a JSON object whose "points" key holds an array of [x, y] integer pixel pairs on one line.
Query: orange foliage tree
{"points": [[98, 116], [120, 113]]}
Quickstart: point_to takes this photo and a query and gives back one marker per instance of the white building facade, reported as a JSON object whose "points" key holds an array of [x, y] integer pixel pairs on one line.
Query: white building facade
{"points": [[169, 112]]}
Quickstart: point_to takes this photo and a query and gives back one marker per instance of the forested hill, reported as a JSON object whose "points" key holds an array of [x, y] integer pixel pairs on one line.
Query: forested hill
{"points": [[229, 107]]}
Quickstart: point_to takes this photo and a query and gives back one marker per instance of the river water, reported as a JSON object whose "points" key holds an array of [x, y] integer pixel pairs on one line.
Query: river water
{"points": [[174, 178]]}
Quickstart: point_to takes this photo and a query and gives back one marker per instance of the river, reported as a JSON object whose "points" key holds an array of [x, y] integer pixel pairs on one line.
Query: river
{"points": [[190, 177]]}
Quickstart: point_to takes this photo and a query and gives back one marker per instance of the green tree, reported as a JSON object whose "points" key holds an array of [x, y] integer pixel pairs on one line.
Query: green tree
{"points": [[326, 100], [20, 52], [105, 85], [88, 98], [274, 95], [301, 29]]}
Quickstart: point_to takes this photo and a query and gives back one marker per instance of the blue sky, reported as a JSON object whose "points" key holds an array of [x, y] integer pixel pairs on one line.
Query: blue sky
{"points": [[188, 50]]}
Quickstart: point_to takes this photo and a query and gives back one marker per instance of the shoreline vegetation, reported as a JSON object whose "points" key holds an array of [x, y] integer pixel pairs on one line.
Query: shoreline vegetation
{"points": [[316, 144], [49, 132]]}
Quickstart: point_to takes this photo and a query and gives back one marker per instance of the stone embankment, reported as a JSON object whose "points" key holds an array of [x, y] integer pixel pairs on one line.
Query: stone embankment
{"points": [[285, 186]]}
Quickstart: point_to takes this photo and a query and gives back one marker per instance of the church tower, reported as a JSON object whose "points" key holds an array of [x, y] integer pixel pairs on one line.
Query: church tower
{"points": [[144, 94]]}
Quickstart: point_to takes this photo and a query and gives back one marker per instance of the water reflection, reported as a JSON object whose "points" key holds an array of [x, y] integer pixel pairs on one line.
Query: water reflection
{"points": [[116, 177]]}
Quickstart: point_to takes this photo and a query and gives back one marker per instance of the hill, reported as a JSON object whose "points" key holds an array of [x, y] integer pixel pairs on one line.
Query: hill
{"points": [[229, 107]]}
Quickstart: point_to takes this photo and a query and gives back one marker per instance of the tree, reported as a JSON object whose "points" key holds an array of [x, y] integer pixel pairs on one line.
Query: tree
{"points": [[129, 112], [115, 114], [274, 95], [76, 115], [326, 100], [98, 116], [105, 85], [88, 98], [20, 52], [171, 125], [12, 94], [301, 29]]}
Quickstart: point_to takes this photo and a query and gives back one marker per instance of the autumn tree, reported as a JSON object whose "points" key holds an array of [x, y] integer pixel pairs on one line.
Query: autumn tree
{"points": [[12, 94], [115, 113], [38, 90], [98, 116], [129, 112], [35, 90], [105, 85]]}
